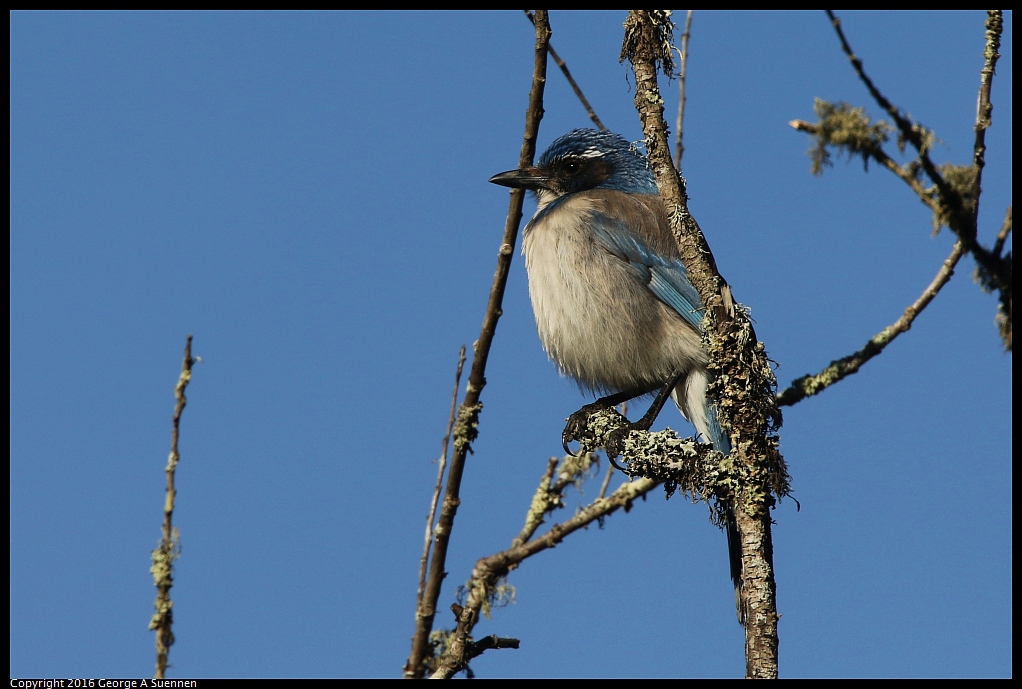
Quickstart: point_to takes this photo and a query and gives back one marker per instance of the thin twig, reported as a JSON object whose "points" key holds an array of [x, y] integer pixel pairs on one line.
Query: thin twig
{"points": [[679, 146], [442, 465], [167, 551], [1001, 278], [810, 385], [468, 414], [571, 80], [544, 499], [910, 131]]}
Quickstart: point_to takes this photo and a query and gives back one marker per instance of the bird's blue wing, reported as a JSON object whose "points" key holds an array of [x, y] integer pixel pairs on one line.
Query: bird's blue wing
{"points": [[666, 278]]}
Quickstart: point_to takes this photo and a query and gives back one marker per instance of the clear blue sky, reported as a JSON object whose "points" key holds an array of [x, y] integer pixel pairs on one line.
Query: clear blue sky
{"points": [[306, 194]]}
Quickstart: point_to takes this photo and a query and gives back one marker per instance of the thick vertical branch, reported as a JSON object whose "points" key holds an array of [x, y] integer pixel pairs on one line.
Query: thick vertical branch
{"points": [[743, 380], [468, 413], [167, 551]]}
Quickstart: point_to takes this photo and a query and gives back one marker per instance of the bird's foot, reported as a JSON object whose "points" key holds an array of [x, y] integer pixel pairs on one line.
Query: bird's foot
{"points": [[577, 428], [616, 439]]}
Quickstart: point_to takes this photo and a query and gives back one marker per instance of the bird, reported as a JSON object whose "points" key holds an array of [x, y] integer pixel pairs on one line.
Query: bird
{"points": [[614, 306]]}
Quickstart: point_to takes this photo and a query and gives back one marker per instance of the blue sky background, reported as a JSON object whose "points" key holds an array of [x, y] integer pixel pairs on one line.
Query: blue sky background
{"points": [[306, 194]]}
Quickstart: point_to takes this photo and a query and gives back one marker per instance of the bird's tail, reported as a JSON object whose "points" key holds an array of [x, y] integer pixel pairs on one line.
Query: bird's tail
{"points": [[690, 397], [721, 443]]}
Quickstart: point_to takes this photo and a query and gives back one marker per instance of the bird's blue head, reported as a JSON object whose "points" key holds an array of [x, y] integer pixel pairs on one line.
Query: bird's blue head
{"points": [[580, 160]]}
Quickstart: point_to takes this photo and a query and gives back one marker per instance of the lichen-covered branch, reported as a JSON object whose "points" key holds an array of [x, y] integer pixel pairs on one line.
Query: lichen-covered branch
{"points": [[956, 189], [742, 379], [487, 588], [851, 131], [810, 385], [169, 548]]}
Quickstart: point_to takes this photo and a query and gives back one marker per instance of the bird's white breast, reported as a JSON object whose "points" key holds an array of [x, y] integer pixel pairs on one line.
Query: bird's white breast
{"points": [[596, 319]]}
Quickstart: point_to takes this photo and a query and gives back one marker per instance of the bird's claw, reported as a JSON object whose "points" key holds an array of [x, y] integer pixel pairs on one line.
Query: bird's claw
{"points": [[577, 428], [565, 439]]}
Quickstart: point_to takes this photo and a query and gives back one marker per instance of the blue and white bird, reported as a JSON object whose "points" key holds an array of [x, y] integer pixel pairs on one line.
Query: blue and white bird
{"points": [[614, 306]]}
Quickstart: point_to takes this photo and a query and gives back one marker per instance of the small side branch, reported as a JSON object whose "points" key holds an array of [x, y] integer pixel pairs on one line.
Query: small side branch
{"points": [[571, 80], [438, 488], [847, 128], [810, 385], [168, 550], [679, 146]]}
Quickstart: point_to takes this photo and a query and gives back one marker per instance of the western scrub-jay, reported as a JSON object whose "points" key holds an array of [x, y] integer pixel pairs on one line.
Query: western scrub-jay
{"points": [[614, 306]]}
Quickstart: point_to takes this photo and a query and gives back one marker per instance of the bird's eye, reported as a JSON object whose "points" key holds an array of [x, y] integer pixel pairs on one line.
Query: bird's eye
{"points": [[571, 166]]}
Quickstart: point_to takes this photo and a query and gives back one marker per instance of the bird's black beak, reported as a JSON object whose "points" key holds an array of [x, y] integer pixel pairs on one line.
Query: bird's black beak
{"points": [[526, 178]]}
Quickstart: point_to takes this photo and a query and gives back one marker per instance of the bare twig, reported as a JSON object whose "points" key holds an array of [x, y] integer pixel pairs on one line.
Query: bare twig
{"points": [[442, 465], [571, 80], [468, 414], [913, 133], [743, 381], [167, 551], [679, 146], [476, 648], [810, 385]]}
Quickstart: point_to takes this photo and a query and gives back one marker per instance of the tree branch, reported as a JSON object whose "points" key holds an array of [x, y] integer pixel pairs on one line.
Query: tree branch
{"points": [[957, 190], [441, 466], [810, 385], [679, 146], [742, 379], [465, 430], [485, 586], [571, 80], [169, 548], [848, 128]]}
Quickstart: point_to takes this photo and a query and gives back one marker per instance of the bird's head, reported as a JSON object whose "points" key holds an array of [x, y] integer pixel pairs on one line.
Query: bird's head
{"points": [[580, 160]]}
